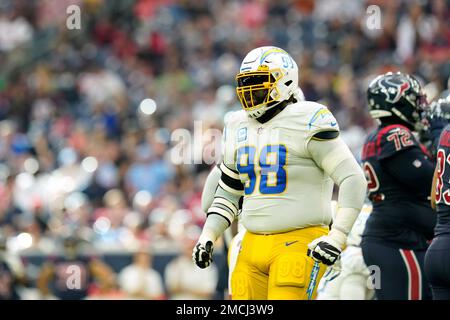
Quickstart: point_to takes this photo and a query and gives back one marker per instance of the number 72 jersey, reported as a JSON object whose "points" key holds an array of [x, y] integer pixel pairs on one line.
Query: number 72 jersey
{"points": [[284, 188], [382, 144]]}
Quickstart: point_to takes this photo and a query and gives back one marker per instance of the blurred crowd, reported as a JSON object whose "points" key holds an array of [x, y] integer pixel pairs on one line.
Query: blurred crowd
{"points": [[82, 155]]}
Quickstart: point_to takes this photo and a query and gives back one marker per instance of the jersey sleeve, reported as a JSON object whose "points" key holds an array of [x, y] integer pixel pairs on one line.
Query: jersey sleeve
{"points": [[228, 143], [394, 139], [229, 179], [321, 122]]}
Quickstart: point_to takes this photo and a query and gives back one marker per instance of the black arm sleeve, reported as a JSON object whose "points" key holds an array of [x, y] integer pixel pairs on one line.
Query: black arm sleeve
{"points": [[412, 169]]}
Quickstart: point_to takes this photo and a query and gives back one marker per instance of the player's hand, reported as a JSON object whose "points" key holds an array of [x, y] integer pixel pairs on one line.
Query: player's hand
{"points": [[435, 120], [327, 249], [435, 124], [202, 254]]}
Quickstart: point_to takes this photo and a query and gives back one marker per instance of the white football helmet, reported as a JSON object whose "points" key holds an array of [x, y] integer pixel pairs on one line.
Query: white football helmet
{"points": [[268, 76]]}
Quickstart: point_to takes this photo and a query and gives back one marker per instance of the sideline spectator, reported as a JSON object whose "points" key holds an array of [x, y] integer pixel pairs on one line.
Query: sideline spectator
{"points": [[185, 281], [139, 280]]}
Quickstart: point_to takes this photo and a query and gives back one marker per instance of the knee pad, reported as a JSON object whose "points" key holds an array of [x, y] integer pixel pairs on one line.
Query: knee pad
{"points": [[290, 270]]}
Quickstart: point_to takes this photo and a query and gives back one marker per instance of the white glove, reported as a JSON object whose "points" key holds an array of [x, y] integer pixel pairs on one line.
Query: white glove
{"points": [[202, 254], [327, 249]]}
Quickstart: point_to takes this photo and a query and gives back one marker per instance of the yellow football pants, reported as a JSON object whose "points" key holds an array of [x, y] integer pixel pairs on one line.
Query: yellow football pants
{"points": [[276, 266]]}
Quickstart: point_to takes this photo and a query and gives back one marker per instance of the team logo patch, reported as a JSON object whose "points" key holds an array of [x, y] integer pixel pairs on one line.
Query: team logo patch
{"points": [[242, 134], [393, 88], [321, 114]]}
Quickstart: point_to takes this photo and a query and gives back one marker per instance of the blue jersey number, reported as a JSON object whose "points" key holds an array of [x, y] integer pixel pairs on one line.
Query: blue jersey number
{"points": [[271, 162], [246, 166]]}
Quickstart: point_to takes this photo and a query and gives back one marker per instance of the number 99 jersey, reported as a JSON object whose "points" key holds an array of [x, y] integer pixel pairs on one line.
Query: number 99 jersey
{"points": [[284, 189], [443, 184]]}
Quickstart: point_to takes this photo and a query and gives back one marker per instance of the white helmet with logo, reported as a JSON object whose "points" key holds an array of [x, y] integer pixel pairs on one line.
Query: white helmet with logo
{"points": [[268, 76]]}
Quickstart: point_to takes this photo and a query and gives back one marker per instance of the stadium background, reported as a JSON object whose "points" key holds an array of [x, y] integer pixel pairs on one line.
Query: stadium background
{"points": [[81, 156]]}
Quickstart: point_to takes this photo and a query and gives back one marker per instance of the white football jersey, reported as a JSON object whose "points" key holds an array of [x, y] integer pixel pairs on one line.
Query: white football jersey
{"points": [[284, 188]]}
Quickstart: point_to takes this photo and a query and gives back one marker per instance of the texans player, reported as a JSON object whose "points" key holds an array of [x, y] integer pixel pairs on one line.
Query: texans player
{"points": [[437, 259], [399, 172]]}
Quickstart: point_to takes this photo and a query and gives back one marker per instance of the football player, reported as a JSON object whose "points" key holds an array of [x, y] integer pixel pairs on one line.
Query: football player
{"points": [[282, 156], [437, 258], [232, 236], [399, 173]]}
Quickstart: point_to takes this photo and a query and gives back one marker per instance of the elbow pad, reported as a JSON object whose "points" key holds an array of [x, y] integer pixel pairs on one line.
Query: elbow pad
{"points": [[228, 194]]}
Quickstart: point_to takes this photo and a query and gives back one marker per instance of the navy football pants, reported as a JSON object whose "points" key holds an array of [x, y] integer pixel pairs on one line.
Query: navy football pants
{"points": [[437, 267], [401, 271]]}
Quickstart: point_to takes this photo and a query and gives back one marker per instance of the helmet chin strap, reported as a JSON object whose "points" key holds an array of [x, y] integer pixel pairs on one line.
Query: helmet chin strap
{"points": [[255, 114], [262, 110], [274, 110]]}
